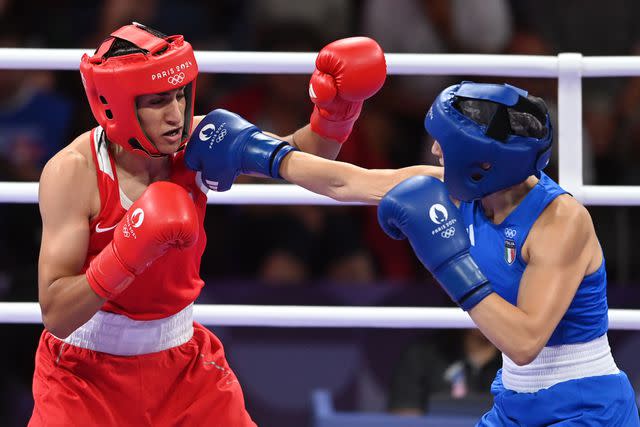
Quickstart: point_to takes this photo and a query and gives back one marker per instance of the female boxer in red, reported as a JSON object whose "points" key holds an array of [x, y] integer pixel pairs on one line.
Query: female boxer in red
{"points": [[123, 237]]}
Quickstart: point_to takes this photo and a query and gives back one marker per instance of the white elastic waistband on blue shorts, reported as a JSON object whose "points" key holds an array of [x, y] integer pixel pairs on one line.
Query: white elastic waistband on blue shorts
{"points": [[560, 363]]}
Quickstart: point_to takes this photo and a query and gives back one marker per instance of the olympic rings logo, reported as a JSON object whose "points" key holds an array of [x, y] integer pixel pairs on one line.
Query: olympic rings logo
{"points": [[221, 135], [176, 79], [448, 233], [510, 233]]}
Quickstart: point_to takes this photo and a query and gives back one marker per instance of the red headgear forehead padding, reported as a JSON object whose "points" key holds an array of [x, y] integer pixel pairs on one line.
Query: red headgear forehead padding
{"points": [[112, 84]]}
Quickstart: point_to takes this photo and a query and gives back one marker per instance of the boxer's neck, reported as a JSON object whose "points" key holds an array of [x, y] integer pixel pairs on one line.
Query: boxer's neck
{"points": [[497, 206], [140, 164]]}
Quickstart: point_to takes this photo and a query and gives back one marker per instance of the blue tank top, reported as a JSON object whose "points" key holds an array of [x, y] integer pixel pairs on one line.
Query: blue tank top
{"points": [[497, 250]]}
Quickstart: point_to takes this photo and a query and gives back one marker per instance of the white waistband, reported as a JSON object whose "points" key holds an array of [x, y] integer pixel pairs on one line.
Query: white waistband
{"points": [[119, 335], [560, 363]]}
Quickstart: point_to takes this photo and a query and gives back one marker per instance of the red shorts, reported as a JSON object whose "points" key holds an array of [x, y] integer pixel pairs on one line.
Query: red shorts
{"points": [[188, 385]]}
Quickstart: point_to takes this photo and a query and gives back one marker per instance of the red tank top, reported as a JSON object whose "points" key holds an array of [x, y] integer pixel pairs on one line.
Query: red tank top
{"points": [[173, 281]]}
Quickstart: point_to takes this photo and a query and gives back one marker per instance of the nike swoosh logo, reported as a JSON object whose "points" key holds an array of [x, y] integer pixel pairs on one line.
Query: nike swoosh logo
{"points": [[102, 230]]}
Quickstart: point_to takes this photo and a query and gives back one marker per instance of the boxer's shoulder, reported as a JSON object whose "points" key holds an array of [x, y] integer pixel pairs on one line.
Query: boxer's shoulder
{"points": [[71, 171], [76, 155]]}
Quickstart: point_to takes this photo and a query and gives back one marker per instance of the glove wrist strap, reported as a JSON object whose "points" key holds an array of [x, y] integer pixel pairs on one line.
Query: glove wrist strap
{"points": [[263, 155], [338, 130], [107, 275], [462, 279], [277, 158]]}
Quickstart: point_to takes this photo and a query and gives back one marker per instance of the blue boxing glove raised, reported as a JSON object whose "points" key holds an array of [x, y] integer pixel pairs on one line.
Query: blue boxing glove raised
{"points": [[419, 209], [225, 145]]}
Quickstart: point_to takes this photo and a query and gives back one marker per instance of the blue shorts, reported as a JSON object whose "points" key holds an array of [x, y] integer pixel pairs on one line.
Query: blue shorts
{"points": [[607, 400]]}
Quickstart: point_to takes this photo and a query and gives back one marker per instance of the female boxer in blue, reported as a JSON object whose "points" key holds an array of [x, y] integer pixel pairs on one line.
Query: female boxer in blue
{"points": [[528, 269], [531, 272]]}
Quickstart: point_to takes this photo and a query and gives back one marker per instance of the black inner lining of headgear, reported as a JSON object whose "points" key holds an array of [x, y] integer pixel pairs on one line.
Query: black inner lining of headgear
{"points": [[499, 126]]}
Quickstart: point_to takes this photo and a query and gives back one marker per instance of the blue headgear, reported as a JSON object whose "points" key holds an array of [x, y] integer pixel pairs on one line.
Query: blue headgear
{"points": [[467, 145]]}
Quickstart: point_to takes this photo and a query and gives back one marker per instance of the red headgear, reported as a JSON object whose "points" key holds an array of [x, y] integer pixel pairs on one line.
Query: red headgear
{"points": [[112, 84]]}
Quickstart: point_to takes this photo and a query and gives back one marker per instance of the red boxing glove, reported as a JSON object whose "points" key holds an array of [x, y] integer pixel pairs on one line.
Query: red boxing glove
{"points": [[348, 71], [163, 217]]}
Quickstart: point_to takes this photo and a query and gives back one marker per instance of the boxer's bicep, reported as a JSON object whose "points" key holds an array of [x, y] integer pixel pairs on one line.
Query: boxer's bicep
{"points": [[558, 262]]}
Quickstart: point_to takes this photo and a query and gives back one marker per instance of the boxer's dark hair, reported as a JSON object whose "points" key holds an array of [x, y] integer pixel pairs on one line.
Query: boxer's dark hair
{"points": [[121, 47], [521, 123]]}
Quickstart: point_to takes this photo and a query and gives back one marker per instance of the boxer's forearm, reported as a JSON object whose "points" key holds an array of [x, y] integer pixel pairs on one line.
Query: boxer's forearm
{"points": [[338, 180], [68, 303], [343, 181], [509, 328]]}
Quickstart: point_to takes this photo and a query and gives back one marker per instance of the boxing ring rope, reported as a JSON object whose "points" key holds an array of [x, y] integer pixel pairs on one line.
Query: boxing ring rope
{"points": [[287, 316], [568, 68]]}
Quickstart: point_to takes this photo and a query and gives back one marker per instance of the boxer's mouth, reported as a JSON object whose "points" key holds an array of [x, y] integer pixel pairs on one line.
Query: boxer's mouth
{"points": [[173, 132]]}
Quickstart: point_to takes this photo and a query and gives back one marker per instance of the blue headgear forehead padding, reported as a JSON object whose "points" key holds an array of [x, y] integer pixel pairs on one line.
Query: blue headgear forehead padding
{"points": [[468, 145], [501, 94]]}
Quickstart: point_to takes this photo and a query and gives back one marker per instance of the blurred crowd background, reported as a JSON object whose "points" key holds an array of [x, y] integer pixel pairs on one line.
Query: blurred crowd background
{"points": [[311, 254]]}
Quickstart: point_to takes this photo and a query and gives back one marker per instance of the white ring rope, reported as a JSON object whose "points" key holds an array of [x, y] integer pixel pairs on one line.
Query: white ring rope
{"points": [[568, 68], [320, 316], [240, 194], [286, 194], [303, 62]]}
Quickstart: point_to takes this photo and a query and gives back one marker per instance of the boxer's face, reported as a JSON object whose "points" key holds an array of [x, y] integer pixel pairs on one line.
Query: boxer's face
{"points": [[161, 117]]}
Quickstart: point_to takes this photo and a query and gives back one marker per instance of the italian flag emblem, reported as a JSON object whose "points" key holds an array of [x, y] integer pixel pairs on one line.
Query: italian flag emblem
{"points": [[509, 251]]}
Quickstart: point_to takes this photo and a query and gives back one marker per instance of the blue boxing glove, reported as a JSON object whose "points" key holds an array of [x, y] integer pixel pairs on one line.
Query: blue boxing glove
{"points": [[419, 208], [225, 145]]}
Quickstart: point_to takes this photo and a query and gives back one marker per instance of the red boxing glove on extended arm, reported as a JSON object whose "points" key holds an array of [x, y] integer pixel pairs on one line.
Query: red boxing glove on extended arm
{"points": [[348, 71], [163, 217]]}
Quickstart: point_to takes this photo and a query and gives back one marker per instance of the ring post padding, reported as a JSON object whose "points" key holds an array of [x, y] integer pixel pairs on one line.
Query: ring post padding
{"points": [[570, 122]]}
